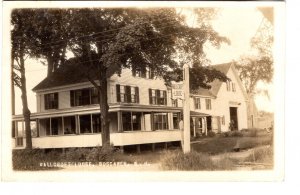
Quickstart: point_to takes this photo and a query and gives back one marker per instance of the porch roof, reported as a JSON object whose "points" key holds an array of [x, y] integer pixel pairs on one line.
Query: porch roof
{"points": [[198, 114], [92, 109]]}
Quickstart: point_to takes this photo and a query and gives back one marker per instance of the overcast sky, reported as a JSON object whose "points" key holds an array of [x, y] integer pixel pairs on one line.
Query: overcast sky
{"points": [[237, 24]]}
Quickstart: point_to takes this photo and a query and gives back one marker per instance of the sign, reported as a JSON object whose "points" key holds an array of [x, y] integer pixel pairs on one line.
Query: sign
{"points": [[177, 90]]}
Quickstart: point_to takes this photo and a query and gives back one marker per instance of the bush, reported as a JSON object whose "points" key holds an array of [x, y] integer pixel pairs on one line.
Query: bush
{"points": [[262, 155], [101, 154], [249, 132], [30, 159], [176, 160], [235, 133], [211, 134]]}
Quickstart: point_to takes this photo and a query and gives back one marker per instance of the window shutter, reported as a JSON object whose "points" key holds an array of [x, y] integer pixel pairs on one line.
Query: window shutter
{"points": [[165, 98], [128, 94], [118, 93], [56, 100], [72, 98], [150, 96], [137, 95]]}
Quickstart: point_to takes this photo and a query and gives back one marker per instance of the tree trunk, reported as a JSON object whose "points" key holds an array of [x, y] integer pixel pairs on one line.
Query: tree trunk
{"points": [[50, 65], [104, 110], [26, 111]]}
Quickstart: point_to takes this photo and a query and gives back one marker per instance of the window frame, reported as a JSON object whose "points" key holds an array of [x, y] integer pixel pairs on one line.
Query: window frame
{"points": [[197, 103], [158, 97], [208, 104], [51, 101], [79, 100]]}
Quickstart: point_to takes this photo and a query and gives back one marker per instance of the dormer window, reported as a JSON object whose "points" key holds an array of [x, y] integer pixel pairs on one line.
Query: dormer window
{"points": [[51, 101], [148, 73]]}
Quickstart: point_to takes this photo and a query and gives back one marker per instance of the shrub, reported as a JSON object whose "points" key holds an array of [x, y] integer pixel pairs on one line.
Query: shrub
{"points": [[176, 160], [101, 154], [30, 159], [262, 155], [211, 134], [236, 133], [249, 132]]}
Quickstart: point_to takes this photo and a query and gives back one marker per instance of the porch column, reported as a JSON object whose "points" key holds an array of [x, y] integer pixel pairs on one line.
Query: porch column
{"points": [[77, 130], [205, 125], [152, 121], [37, 128], [194, 125], [120, 122], [63, 125]]}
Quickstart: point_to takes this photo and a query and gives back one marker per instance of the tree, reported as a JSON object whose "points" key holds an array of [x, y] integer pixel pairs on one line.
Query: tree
{"points": [[49, 33], [258, 67], [105, 41], [19, 53]]}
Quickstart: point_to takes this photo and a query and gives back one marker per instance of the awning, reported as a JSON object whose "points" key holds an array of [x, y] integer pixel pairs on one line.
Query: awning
{"points": [[198, 114]]}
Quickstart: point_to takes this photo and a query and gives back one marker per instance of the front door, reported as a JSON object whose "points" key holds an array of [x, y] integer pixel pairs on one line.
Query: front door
{"points": [[233, 118]]}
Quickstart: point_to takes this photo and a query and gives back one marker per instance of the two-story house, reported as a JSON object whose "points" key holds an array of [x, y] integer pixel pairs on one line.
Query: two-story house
{"points": [[141, 110]]}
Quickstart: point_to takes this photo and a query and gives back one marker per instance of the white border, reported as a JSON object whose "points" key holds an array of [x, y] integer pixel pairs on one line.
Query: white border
{"points": [[276, 175]]}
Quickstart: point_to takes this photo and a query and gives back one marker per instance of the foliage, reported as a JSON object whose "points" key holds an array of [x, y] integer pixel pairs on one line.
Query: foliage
{"points": [[30, 159], [217, 145], [261, 155], [258, 67], [105, 41], [211, 134], [249, 132], [192, 161]]}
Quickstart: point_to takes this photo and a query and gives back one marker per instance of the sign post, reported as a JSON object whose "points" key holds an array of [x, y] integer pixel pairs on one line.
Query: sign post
{"points": [[186, 110]]}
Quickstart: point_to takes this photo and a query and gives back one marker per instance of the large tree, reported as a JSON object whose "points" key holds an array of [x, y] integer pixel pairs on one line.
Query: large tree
{"points": [[20, 48], [258, 67], [105, 41]]}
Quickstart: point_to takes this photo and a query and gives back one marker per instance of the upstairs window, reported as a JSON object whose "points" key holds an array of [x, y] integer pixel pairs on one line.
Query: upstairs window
{"points": [[175, 103], [148, 74], [157, 97], [51, 101], [197, 103], [82, 97], [233, 87], [228, 85], [127, 94], [208, 104]]}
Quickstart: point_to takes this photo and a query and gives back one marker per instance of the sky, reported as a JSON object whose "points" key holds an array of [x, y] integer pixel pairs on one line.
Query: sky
{"points": [[239, 25]]}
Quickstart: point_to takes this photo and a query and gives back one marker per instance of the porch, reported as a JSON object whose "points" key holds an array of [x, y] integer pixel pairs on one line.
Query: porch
{"points": [[128, 126]]}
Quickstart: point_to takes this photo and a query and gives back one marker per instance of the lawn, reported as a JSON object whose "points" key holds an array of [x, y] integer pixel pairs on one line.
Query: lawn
{"points": [[217, 145]]}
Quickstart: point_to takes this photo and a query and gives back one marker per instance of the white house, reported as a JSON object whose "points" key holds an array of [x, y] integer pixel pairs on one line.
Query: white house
{"points": [[141, 110]]}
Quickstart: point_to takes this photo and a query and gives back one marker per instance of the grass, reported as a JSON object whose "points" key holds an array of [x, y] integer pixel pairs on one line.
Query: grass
{"points": [[217, 145]]}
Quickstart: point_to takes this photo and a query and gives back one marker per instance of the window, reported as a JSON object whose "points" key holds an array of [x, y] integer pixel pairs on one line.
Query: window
{"points": [[51, 101], [157, 97], [175, 103], [233, 87], [160, 121], [82, 97], [131, 121], [228, 85], [208, 104], [197, 103], [85, 124], [69, 125], [127, 94], [149, 74]]}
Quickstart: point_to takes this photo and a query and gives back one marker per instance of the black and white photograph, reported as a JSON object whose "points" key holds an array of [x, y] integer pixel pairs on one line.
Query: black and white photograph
{"points": [[182, 90]]}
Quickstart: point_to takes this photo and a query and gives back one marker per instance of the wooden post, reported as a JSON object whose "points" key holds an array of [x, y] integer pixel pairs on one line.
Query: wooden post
{"points": [[120, 123], [153, 147], [205, 126], [194, 125], [186, 111], [138, 149]]}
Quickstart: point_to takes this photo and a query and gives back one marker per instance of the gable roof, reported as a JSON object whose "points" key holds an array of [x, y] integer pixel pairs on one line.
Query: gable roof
{"points": [[70, 73], [216, 84]]}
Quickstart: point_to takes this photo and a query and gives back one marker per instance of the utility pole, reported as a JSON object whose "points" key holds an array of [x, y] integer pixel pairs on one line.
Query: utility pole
{"points": [[186, 110]]}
